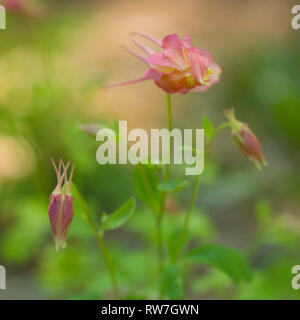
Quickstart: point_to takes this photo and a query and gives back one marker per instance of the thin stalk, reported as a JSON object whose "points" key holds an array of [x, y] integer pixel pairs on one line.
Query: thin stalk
{"points": [[170, 127], [188, 216], [169, 106], [160, 214], [109, 265], [160, 248], [193, 199], [218, 129], [103, 248]]}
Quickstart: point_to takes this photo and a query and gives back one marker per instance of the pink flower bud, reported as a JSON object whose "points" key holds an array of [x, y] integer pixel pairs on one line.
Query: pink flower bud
{"points": [[246, 140], [61, 208]]}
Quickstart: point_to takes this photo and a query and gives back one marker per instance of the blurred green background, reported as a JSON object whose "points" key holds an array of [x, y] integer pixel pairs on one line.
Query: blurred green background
{"points": [[54, 58]]}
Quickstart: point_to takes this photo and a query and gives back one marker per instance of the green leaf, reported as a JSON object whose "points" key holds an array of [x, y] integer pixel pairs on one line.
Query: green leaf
{"points": [[223, 258], [145, 181], [118, 217], [174, 185], [172, 282], [208, 128]]}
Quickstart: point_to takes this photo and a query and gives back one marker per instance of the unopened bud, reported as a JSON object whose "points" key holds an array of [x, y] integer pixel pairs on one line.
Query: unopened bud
{"points": [[246, 140], [61, 208]]}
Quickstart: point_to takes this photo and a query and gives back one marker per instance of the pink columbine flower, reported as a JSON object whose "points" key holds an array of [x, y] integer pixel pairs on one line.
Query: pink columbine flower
{"points": [[179, 67], [246, 140], [61, 208]]}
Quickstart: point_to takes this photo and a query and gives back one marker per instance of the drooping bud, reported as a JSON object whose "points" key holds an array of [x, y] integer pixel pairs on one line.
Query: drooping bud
{"points": [[91, 129], [246, 140], [61, 208]]}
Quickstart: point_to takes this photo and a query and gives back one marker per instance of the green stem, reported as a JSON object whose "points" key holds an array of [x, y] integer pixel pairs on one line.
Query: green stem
{"points": [[169, 106], [109, 265], [188, 216], [170, 127], [218, 129], [159, 239], [102, 246], [160, 214], [193, 200]]}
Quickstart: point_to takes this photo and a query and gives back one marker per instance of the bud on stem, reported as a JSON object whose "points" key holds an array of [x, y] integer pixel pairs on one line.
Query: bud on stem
{"points": [[246, 140], [61, 208]]}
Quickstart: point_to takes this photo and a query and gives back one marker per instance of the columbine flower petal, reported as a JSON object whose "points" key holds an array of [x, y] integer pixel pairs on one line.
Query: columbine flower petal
{"points": [[161, 62], [148, 37]]}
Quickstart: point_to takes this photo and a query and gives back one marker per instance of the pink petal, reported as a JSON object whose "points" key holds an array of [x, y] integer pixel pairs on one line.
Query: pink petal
{"points": [[142, 46], [159, 59], [173, 50], [200, 88], [171, 41], [150, 73], [203, 53], [213, 80], [199, 65], [176, 58], [121, 84], [153, 74], [137, 55], [148, 37], [187, 42], [216, 71]]}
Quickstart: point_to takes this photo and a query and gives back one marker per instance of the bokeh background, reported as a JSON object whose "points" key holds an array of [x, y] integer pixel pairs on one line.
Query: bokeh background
{"points": [[54, 58]]}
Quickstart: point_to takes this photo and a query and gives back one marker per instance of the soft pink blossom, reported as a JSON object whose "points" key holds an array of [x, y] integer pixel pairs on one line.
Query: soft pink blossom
{"points": [[179, 67]]}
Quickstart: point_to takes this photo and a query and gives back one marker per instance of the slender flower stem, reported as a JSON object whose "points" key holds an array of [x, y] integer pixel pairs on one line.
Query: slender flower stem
{"points": [[194, 198], [170, 127], [218, 129], [192, 205], [109, 265], [160, 214], [188, 216], [169, 106], [159, 240], [102, 246]]}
